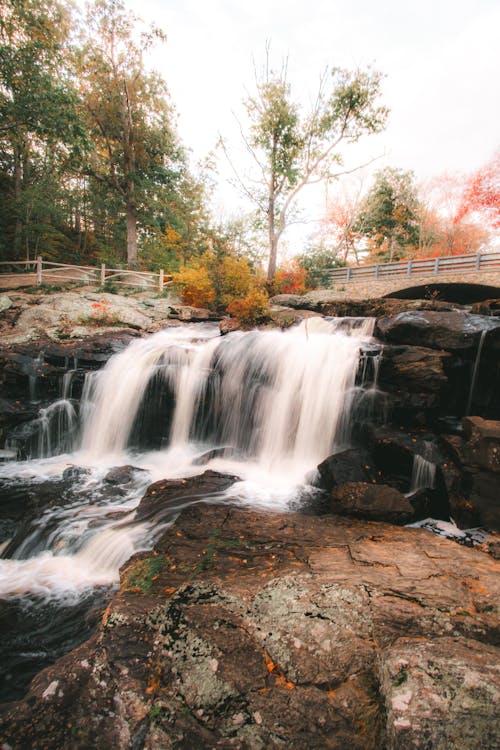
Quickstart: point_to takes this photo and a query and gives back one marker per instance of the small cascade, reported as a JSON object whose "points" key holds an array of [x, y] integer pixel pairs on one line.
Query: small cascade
{"points": [[66, 384], [51, 433], [33, 376], [423, 474], [475, 371]]}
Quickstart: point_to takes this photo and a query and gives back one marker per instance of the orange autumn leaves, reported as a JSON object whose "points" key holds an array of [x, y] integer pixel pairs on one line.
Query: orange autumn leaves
{"points": [[226, 282]]}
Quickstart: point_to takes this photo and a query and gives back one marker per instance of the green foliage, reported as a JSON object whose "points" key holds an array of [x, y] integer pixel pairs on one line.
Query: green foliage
{"points": [[143, 573], [389, 214], [292, 150], [317, 261]]}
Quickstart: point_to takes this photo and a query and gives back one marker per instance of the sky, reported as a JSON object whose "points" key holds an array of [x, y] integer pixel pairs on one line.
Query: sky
{"points": [[440, 59]]}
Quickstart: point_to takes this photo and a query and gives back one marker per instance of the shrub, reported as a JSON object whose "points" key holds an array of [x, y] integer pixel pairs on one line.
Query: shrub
{"points": [[195, 285], [289, 279], [250, 309]]}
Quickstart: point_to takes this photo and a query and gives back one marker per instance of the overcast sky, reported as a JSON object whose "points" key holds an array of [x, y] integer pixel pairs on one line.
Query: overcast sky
{"points": [[440, 58]]}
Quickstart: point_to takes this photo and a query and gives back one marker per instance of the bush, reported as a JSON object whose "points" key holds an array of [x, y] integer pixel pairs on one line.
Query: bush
{"points": [[250, 309], [195, 285], [289, 279]]}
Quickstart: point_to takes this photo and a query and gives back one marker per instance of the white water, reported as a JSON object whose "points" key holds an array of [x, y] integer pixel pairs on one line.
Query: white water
{"points": [[279, 400], [423, 473]]}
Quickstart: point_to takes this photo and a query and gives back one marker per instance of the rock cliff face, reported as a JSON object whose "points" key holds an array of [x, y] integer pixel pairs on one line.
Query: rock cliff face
{"points": [[259, 630]]}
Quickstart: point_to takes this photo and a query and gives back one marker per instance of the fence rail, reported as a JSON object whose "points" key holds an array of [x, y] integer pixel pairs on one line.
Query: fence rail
{"points": [[418, 267], [50, 272]]}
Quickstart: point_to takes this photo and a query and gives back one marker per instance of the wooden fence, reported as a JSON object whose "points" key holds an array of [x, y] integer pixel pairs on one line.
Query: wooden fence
{"points": [[44, 271], [418, 267]]}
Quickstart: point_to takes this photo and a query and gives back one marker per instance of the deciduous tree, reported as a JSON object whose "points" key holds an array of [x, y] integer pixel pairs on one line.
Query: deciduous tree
{"points": [[136, 152], [291, 150]]}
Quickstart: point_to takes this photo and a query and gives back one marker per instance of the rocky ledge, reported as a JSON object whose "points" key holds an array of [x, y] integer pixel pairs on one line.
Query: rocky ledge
{"points": [[247, 629]]}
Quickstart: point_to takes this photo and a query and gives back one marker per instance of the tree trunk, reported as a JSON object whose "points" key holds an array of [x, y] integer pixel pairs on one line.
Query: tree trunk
{"points": [[273, 235], [131, 235], [18, 176]]}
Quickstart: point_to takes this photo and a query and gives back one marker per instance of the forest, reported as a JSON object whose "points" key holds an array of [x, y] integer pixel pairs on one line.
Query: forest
{"points": [[92, 168]]}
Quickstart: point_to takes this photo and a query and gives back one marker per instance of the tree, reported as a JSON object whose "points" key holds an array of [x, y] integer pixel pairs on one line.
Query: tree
{"points": [[291, 151], [388, 215], [136, 153], [40, 133], [448, 223], [482, 193], [339, 231]]}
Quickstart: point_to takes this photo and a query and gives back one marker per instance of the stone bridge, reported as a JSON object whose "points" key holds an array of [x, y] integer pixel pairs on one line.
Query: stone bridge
{"points": [[467, 276]]}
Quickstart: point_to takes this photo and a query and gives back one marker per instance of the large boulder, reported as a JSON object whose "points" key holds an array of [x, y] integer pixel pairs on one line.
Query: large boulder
{"points": [[482, 446], [163, 498], [451, 331], [374, 502], [352, 465]]}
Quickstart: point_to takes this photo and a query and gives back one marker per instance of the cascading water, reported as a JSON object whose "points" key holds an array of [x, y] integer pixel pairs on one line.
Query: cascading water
{"points": [[423, 474], [280, 399], [277, 403]]}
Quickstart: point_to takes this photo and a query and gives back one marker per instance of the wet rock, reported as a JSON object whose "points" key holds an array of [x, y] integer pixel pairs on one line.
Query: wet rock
{"points": [[170, 495], [482, 446], [353, 465], [262, 630], [224, 452], [74, 472], [451, 331], [120, 475], [413, 368], [5, 303], [375, 502]]}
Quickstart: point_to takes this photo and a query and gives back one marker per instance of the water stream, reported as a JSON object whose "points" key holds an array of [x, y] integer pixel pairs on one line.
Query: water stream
{"points": [[265, 406]]}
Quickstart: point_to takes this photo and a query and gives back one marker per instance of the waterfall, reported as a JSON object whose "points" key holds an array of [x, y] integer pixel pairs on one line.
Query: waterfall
{"points": [[275, 402], [475, 371], [51, 433], [423, 473], [277, 397]]}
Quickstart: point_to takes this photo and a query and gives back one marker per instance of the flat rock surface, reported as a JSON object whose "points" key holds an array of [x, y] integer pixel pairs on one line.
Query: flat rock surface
{"points": [[247, 629]]}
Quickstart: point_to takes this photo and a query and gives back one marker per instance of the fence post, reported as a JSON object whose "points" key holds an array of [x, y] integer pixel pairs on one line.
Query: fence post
{"points": [[478, 261], [349, 274], [39, 270], [161, 280], [409, 267], [103, 274], [436, 265], [377, 269]]}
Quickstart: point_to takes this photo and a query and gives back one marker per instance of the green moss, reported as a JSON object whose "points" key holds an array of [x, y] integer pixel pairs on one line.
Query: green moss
{"points": [[143, 573]]}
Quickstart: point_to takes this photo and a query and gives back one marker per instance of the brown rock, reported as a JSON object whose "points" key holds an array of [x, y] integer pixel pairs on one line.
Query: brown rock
{"points": [[375, 502], [482, 447], [264, 630]]}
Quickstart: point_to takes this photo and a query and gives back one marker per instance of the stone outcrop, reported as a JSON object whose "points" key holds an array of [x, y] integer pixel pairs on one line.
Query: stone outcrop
{"points": [[375, 502], [452, 331], [251, 630], [327, 302], [77, 315]]}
